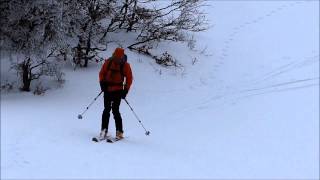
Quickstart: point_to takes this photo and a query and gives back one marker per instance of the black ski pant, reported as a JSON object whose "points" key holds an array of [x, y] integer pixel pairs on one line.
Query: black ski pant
{"points": [[112, 102]]}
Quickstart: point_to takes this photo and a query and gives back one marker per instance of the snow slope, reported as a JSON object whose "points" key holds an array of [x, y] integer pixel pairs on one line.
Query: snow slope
{"points": [[248, 108]]}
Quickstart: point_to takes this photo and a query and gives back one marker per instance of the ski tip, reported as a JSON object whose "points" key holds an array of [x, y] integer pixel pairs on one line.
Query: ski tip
{"points": [[109, 141]]}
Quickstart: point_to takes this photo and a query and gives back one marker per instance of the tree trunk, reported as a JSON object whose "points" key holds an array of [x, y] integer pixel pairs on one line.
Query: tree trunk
{"points": [[78, 55], [26, 76], [88, 48], [132, 20], [125, 8]]}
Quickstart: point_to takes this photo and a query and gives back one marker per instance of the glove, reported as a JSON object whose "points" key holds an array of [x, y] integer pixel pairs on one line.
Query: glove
{"points": [[124, 93], [103, 86]]}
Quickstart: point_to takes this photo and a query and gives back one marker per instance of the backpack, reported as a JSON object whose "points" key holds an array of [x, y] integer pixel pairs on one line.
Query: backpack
{"points": [[123, 62]]}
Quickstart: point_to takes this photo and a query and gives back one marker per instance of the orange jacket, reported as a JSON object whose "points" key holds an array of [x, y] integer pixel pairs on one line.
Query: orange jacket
{"points": [[113, 77]]}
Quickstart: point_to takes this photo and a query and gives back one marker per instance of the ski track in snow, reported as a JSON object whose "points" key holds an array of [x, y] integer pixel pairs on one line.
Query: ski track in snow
{"points": [[16, 152], [309, 61], [238, 29], [256, 86]]}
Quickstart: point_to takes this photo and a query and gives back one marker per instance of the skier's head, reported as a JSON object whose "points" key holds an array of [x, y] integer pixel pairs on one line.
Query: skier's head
{"points": [[118, 53]]}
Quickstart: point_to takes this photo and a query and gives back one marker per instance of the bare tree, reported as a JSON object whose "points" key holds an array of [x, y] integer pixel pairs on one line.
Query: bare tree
{"points": [[171, 22], [32, 32], [85, 18]]}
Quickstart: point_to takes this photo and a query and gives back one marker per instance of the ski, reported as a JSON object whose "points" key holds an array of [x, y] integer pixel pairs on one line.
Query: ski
{"points": [[97, 139], [108, 139], [112, 139]]}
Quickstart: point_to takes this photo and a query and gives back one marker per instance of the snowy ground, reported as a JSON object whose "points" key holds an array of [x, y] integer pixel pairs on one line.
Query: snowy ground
{"points": [[248, 108]]}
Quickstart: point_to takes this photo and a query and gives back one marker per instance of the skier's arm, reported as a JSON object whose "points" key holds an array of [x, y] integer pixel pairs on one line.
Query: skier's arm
{"points": [[102, 73], [128, 75]]}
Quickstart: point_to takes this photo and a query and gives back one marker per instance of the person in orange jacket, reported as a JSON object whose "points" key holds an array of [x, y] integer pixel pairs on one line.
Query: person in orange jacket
{"points": [[115, 79]]}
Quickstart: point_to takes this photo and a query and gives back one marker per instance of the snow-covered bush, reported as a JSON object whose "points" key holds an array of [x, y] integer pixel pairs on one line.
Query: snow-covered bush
{"points": [[44, 32], [40, 90], [7, 86], [33, 32], [167, 60]]}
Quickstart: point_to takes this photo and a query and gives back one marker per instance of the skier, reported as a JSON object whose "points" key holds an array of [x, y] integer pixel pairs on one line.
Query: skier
{"points": [[115, 79]]}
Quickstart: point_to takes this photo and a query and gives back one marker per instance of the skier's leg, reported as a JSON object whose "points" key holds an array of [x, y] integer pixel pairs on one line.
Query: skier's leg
{"points": [[116, 112], [106, 112]]}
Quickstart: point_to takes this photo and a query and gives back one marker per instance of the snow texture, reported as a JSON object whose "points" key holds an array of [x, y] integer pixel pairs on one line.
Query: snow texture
{"points": [[246, 108]]}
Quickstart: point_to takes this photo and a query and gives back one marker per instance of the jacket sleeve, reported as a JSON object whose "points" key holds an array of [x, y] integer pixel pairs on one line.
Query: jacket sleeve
{"points": [[128, 75], [103, 70]]}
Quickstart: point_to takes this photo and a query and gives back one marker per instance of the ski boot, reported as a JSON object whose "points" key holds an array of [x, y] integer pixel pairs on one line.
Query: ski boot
{"points": [[119, 135], [102, 136]]}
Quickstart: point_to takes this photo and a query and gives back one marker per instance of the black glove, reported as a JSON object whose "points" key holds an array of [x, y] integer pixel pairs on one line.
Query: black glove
{"points": [[124, 93], [103, 86]]}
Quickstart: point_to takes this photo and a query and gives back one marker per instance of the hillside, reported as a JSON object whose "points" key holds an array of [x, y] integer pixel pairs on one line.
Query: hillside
{"points": [[247, 108]]}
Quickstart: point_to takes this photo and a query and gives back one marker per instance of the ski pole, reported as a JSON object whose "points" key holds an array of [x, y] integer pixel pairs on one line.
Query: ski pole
{"points": [[147, 133], [80, 115]]}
